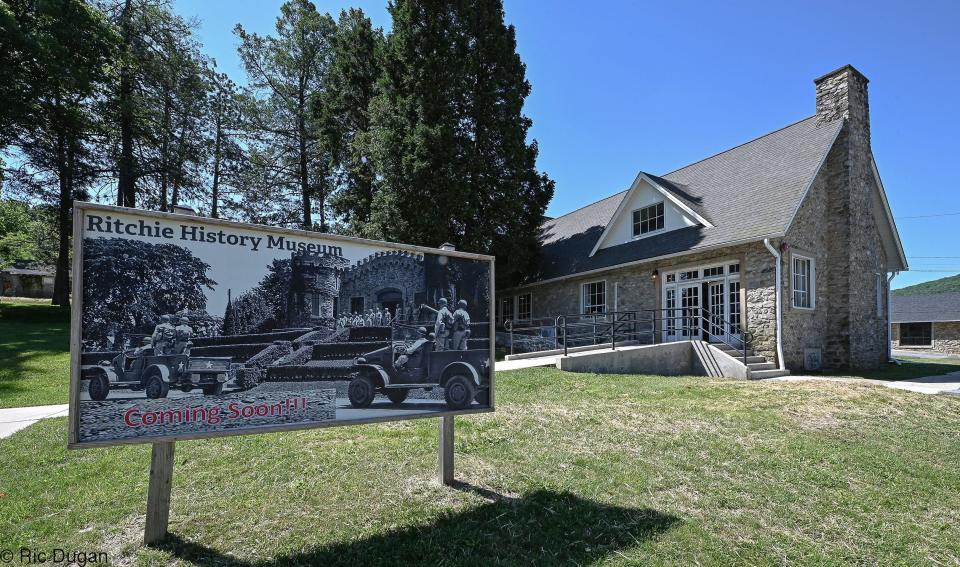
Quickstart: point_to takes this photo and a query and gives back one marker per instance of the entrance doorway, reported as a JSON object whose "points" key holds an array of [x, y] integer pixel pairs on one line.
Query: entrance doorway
{"points": [[392, 299], [702, 302], [689, 309]]}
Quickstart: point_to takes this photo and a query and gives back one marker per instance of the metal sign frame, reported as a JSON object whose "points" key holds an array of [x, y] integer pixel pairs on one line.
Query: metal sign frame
{"points": [[79, 211]]}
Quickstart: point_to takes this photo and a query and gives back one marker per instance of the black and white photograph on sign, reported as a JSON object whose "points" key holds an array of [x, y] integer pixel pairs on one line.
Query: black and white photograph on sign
{"points": [[193, 328]]}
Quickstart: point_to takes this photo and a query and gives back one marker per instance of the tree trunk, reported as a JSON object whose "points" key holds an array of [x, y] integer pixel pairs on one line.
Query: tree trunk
{"points": [[215, 189], [61, 281], [304, 178], [164, 151], [126, 180]]}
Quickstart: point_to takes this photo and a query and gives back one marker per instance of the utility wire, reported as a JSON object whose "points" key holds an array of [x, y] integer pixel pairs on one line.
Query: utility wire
{"points": [[929, 216]]}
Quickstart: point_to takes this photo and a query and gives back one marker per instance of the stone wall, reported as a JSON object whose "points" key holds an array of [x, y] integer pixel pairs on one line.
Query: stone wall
{"points": [[946, 337], [855, 332], [819, 232], [637, 290]]}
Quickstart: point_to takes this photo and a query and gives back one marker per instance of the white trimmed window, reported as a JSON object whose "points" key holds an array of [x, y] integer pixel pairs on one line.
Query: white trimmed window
{"points": [[506, 308], [524, 306], [648, 219], [804, 282], [595, 297]]}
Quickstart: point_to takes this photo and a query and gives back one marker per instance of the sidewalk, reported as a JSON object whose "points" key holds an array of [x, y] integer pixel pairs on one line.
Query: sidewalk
{"points": [[943, 384], [15, 419]]}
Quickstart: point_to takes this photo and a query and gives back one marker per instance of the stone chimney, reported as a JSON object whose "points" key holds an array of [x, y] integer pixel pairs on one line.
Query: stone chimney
{"points": [[843, 94]]}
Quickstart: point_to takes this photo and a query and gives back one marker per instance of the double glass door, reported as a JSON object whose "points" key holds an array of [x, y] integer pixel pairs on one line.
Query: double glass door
{"points": [[708, 309]]}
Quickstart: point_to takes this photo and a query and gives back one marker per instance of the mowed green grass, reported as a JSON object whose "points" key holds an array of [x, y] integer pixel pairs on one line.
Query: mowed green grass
{"points": [[34, 353], [570, 469]]}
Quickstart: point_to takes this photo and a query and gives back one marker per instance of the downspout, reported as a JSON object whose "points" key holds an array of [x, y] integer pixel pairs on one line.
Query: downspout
{"points": [[776, 255], [890, 317]]}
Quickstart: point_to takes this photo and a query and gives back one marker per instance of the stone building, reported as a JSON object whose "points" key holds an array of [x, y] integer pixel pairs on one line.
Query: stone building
{"points": [[803, 203], [391, 279], [21, 280], [927, 322], [314, 288]]}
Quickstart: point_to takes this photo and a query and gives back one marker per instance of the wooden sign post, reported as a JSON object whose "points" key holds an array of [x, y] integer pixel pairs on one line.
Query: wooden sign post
{"points": [[446, 450], [158, 494]]}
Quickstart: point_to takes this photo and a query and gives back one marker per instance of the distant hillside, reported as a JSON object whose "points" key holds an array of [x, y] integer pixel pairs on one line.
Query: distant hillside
{"points": [[943, 285]]}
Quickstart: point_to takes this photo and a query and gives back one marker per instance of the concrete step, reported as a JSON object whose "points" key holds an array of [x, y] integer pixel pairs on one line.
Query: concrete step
{"points": [[732, 351], [761, 374], [756, 366]]}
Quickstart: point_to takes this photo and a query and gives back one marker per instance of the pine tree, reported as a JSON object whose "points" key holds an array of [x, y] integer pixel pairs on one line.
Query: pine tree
{"points": [[286, 75], [72, 45], [224, 151]]}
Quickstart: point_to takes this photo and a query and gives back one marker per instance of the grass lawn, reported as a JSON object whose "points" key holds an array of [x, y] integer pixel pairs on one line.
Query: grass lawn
{"points": [[570, 469], [34, 357]]}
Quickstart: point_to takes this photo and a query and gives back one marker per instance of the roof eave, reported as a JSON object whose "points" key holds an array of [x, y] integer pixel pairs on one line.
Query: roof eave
{"points": [[647, 260]]}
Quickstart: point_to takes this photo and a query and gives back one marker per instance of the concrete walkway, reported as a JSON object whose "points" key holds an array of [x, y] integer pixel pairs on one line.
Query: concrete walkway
{"points": [[505, 365], [944, 384], [897, 353], [15, 419]]}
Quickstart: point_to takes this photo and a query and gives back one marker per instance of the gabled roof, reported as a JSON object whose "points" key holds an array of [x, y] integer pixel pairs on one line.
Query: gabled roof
{"points": [[934, 307], [748, 193], [670, 192]]}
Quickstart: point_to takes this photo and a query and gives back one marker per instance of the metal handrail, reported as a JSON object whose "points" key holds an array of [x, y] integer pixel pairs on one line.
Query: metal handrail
{"points": [[622, 325]]}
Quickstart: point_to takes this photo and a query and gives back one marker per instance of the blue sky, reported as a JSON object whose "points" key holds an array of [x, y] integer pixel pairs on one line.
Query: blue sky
{"points": [[622, 86]]}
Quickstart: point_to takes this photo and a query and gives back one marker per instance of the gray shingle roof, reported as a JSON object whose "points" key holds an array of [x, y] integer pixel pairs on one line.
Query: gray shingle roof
{"points": [[937, 307], [747, 192]]}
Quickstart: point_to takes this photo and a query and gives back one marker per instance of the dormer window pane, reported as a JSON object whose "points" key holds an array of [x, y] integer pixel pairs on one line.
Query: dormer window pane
{"points": [[648, 219]]}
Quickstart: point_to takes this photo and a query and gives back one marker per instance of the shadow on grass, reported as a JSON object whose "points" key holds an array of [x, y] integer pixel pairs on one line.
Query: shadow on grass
{"points": [[541, 528], [29, 332]]}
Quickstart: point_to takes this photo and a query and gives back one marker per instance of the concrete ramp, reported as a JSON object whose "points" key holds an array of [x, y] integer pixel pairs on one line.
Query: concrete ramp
{"points": [[686, 358]]}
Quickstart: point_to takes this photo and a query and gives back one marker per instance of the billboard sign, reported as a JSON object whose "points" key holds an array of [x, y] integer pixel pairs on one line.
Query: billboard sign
{"points": [[187, 327]]}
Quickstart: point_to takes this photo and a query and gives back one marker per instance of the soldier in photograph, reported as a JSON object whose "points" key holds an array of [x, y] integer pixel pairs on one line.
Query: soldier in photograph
{"points": [[442, 326], [145, 344], [183, 334], [386, 317], [461, 326], [163, 336], [415, 348], [379, 318]]}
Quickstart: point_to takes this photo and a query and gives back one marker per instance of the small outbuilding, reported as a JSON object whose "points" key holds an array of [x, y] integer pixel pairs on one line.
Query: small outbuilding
{"points": [[929, 322], [22, 281]]}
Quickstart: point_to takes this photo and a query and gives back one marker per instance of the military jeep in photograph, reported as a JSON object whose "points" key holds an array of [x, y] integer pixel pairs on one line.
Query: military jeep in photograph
{"points": [[463, 374], [157, 373]]}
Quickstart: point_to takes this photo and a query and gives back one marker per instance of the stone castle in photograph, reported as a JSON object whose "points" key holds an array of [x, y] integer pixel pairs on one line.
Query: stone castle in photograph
{"points": [[799, 213], [324, 286]]}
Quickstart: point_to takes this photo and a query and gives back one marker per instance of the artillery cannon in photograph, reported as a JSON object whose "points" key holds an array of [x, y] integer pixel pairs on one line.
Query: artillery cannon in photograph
{"points": [[155, 374]]}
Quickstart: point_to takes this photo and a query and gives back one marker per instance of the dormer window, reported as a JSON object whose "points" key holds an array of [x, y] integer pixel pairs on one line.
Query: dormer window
{"points": [[648, 219]]}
